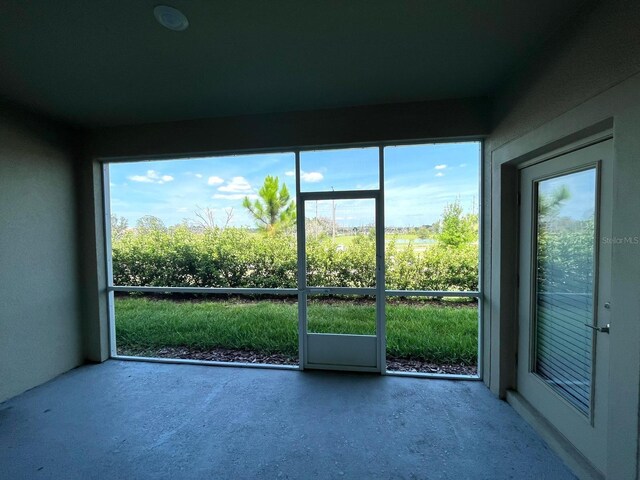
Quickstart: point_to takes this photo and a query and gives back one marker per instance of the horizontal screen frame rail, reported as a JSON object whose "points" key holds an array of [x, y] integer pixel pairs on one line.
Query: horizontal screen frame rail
{"points": [[313, 291], [430, 293], [215, 363], [211, 290], [294, 291], [339, 195]]}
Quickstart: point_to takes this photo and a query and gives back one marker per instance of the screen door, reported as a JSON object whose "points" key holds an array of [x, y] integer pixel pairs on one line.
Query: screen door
{"points": [[340, 227]]}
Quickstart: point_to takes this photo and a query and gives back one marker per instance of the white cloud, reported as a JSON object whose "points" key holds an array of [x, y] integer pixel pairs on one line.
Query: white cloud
{"points": [[439, 174], [151, 177], [462, 165], [309, 177], [441, 167], [237, 184], [213, 180], [198, 175], [140, 178], [234, 196]]}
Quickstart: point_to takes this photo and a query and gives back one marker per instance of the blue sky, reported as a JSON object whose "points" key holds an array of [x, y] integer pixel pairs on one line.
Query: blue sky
{"points": [[419, 181], [582, 193]]}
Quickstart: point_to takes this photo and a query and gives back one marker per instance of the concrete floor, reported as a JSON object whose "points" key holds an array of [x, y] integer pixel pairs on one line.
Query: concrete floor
{"points": [[131, 420]]}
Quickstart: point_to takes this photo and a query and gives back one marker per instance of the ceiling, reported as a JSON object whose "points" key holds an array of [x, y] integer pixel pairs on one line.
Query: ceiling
{"points": [[109, 62]]}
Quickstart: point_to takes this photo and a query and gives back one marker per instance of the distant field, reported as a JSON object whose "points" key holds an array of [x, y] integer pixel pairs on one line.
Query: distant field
{"points": [[401, 236], [429, 332], [402, 241]]}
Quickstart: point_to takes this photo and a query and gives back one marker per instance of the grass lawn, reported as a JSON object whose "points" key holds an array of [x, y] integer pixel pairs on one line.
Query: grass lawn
{"points": [[430, 332]]}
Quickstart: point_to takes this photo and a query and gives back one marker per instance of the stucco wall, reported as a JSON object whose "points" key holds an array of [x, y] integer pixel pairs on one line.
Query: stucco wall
{"points": [[588, 73], [40, 331], [407, 121], [596, 50]]}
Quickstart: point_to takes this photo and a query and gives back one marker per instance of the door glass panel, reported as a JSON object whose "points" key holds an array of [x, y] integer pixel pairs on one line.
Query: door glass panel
{"points": [[341, 314], [565, 274], [339, 170], [340, 243]]}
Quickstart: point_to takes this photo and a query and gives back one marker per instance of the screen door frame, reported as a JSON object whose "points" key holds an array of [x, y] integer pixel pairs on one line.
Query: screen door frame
{"points": [[365, 353]]}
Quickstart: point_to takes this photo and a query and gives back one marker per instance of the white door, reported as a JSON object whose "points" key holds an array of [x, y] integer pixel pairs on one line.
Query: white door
{"points": [[328, 340], [564, 310]]}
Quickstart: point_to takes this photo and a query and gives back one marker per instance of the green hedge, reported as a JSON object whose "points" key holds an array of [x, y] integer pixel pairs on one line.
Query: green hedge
{"points": [[565, 260], [234, 257]]}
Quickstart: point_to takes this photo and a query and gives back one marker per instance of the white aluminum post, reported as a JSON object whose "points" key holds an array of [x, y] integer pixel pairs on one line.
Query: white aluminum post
{"points": [[302, 270], [481, 270], [381, 326], [106, 208]]}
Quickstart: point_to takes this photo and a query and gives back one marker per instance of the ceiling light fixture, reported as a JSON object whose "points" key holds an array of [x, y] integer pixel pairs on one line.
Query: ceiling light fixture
{"points": [[171, 18]]}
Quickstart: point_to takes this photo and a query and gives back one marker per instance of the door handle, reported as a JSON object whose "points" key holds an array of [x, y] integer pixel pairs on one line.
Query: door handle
{"points": [[604, 329]]}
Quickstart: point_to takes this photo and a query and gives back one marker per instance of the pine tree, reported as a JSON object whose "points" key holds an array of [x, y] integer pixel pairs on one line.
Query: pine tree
{"points": [[275, 209]]}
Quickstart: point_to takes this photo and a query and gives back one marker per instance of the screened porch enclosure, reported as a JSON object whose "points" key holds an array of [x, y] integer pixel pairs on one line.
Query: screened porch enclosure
{"points": [[361, 259]]}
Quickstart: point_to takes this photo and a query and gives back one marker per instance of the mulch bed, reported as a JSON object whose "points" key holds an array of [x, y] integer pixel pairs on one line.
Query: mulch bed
{"points": [[248, 356], [418, 366], [215, 355]]}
